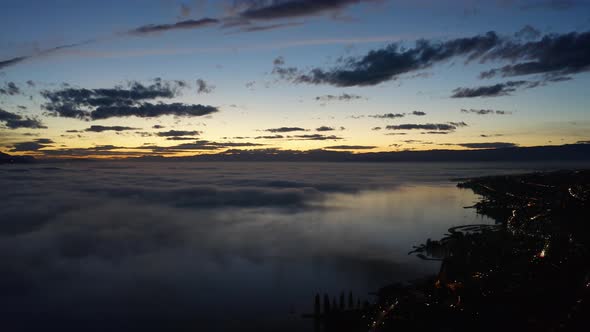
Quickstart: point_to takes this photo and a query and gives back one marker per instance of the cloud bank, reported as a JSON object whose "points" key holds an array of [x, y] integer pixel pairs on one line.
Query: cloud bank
{"points": [[16, 121], [554, 56], [484, 111], [488, 145], [135, 100], [428, 126], [182, 25], [280, 9], [99, 129], [285, 129]]}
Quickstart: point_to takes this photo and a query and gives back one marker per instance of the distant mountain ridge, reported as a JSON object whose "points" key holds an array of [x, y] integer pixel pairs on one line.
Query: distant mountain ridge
{"points": [[9, 159], [570, 152]]}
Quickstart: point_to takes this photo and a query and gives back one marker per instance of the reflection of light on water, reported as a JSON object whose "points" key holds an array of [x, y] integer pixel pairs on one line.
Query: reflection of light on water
{"points": [[357, 241], [399, 218]]}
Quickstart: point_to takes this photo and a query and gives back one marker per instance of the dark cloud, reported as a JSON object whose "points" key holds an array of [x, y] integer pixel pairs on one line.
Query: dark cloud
{"points": [[269, 137], [66, 111], [284, 129], [99, 129], [27, 146], [40, 53], [158, 127], [135, 91], [15, 121], [285, 73], [4, 115], [94, 104], [195, 146], [491, 135], [280, 9], [325, 128], [235, 144], [528, 32], [187, 24], [376, 128], [553, 55], [13, 61], [201, 145], [458, 124], [178, 133], [279, 61], [255, 28], [342, 97], [392, 61], [147, 110], [496, 90], [310, 137], [30, 83], [204, 87], [484, 111], [10, 88], [250, 85], [388, 116], [181, 138], [349, 147], [428, 126], [144, 133], [235, 22], [556, 79], [35, 145], [491, 145], [418, 113], [315, 137], [435, 133], [44, 141]]}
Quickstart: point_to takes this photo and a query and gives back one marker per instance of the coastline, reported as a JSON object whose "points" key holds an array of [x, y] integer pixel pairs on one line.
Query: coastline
{"points": [[529, 271]]}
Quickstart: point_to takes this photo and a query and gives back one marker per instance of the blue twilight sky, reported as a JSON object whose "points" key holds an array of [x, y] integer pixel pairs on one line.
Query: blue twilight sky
{"points": [[187, 77]]}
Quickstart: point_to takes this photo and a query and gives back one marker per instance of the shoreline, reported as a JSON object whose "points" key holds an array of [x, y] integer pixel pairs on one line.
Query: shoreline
{"points": [[529, 271]]}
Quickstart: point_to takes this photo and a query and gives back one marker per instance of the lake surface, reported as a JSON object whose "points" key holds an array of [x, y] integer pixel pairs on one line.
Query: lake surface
{"points": [[218, 246]]}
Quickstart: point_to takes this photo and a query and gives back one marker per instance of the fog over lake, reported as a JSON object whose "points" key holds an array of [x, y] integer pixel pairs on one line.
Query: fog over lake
{"points": [[230, 246]]}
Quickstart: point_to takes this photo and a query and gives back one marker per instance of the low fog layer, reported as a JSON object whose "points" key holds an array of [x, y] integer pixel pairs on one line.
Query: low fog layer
{"points": [[144, 244]]}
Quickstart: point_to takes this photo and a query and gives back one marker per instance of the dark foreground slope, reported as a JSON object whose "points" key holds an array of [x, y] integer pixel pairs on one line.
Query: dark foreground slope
{"points": [[529, 272]]}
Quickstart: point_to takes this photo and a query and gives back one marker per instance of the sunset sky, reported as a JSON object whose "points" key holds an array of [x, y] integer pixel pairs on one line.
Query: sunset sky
{"points": [[166, 77]]}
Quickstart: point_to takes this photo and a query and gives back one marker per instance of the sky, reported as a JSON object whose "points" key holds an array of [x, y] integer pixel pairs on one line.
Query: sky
{"points": [[107, 79]]}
